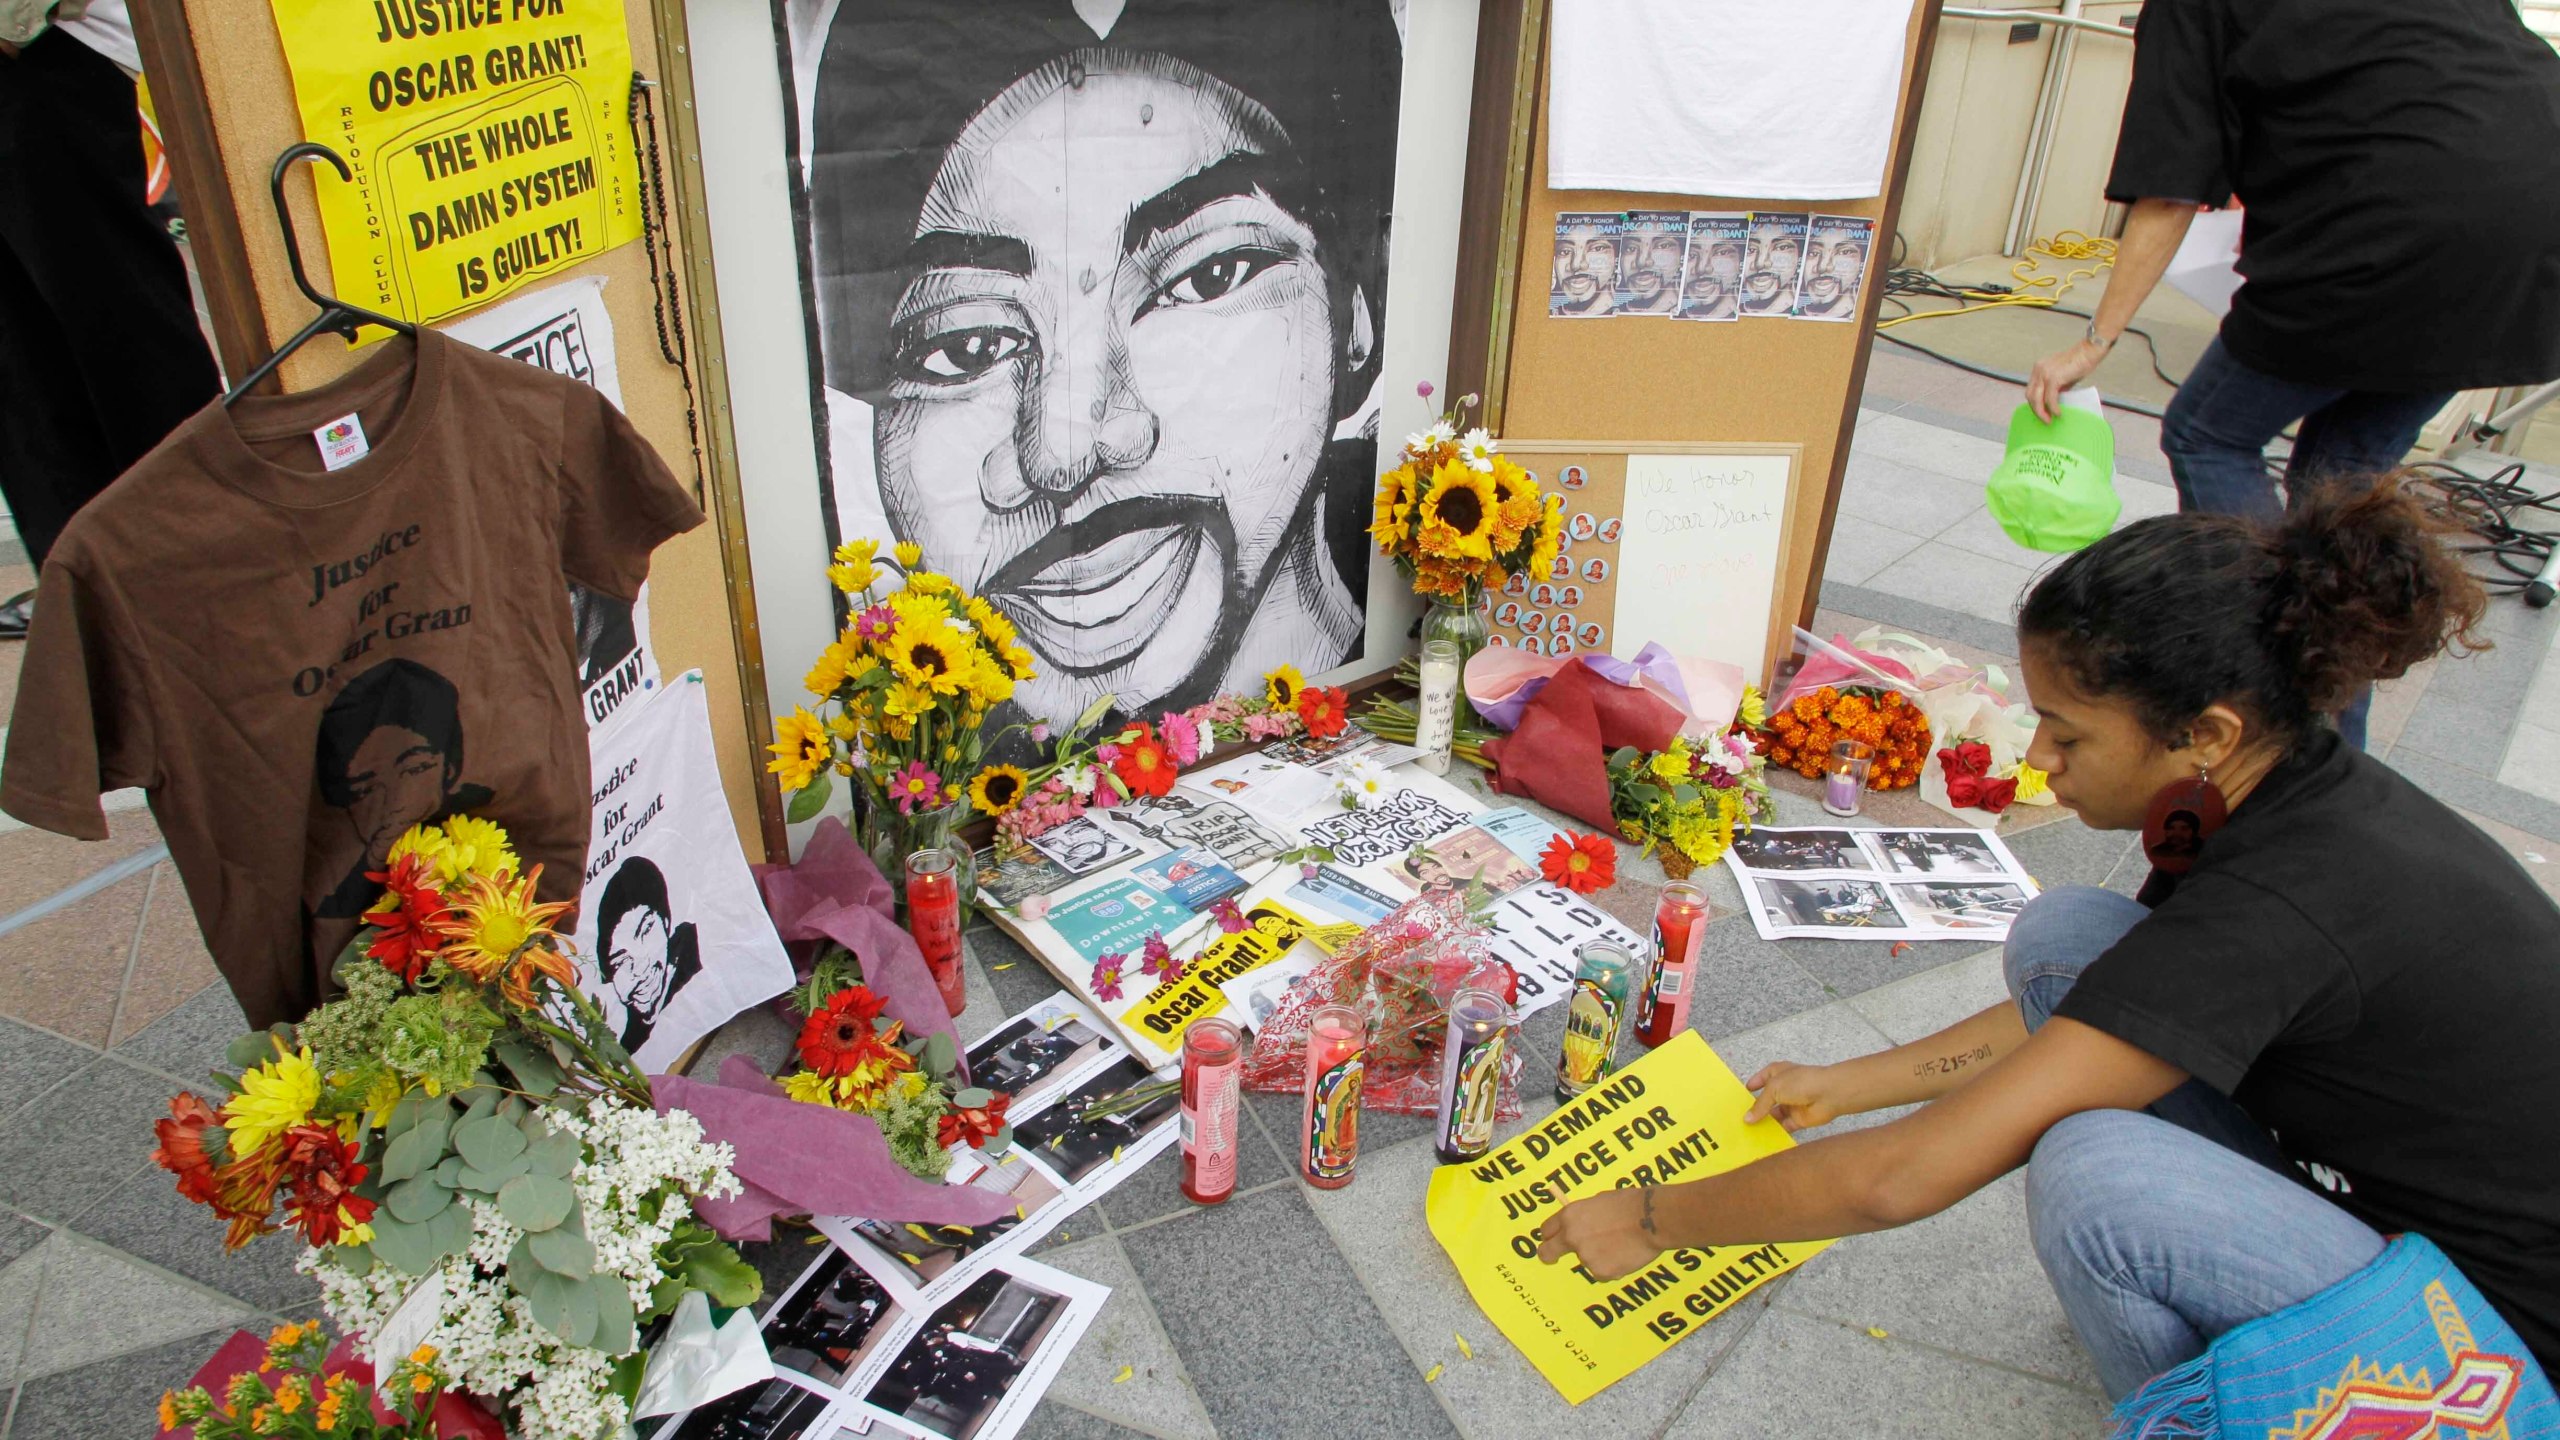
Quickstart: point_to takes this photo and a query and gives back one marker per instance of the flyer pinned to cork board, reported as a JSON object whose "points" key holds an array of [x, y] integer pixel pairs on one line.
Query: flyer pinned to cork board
{"points": [[487, 141], [1674, 1115]]}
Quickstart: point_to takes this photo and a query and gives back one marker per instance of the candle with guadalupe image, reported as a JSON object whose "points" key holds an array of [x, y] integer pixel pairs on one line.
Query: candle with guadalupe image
{"points": [[1679, 926], [1212, 1109], [933, 917], [1471, 1069], [1593, 1014], [1337, 1054]]}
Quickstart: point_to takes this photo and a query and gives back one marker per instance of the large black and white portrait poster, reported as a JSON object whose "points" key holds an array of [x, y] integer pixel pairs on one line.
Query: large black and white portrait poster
{"points": [[672, 938], [1098, 290]]}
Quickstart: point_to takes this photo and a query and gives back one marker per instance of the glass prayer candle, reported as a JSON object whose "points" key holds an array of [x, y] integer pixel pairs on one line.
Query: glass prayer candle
{"points": [[933, 917], [1470, 1072], [1679, 926], [1337, 1053], [1593, 1013], [1212, 1109], [1436, 712], [1846, 776]]}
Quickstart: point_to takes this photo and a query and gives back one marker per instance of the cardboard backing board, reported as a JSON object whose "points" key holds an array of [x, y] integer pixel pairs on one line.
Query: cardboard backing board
{"points": [[1697, 561]]}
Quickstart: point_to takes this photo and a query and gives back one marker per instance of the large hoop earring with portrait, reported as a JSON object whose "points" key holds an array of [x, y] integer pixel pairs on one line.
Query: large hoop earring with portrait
{"points": [[2183, 816]]}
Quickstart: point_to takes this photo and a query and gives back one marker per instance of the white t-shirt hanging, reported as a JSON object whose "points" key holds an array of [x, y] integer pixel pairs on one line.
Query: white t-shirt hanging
{"points": [[1761, 99]]}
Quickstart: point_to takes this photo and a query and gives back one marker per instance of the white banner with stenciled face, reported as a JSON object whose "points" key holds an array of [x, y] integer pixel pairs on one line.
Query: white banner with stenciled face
{"points": [[1100, 290], [672, 937]]}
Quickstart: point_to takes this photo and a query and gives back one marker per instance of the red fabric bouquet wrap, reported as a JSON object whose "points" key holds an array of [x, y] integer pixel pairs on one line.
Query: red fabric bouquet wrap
{"points": [[1401, 974], [1559, 753]]}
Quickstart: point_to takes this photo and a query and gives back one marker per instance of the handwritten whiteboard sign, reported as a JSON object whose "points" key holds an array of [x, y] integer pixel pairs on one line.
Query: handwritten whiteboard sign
{"points": [[1698, 563]]}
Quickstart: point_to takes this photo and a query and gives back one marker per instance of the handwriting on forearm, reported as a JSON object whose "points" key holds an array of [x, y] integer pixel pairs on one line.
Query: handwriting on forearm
{"points": [[1950, 1064]]}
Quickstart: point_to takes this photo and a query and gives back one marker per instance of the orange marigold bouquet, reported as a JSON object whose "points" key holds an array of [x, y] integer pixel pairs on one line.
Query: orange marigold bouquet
{"points": [[1800, 733], [1458, 516]]}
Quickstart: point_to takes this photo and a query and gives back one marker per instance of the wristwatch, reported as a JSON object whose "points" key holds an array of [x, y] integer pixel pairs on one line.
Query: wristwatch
{"points": [[2091, 336]]}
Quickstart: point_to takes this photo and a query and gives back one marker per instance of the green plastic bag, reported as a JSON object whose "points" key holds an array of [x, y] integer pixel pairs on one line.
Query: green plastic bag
{"points": [[2055, 489]]}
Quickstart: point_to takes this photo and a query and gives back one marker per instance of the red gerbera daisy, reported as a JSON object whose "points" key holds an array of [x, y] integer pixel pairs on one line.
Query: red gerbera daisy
{"points": [[1580, 863], [322, 1172], [407, 918], [1144, 764], [181, 1149], [1322, 708], [842, 1036]]}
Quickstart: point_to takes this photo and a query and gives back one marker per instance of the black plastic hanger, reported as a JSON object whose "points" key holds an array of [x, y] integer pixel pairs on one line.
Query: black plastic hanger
{"points": [[336, 316]]}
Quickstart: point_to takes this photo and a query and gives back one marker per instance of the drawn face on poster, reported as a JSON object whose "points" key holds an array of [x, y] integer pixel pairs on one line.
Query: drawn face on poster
{"points": [[1107, 295], [645, 954], [390, 756], [1776, 255], [1835, 268], [1585, 284], [1650, 262]]}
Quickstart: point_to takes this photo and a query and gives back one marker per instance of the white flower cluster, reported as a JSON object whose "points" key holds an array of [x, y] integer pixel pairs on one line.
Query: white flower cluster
{"points": [[634, 1187]]}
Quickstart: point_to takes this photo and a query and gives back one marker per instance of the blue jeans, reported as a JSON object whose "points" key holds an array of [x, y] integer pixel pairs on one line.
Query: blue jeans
{"points": [[2162, 1229], [2217, 428]]}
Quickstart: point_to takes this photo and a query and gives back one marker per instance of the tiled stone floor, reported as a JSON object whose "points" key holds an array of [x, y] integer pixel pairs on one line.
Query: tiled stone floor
{"points": [[1288, 1311]]}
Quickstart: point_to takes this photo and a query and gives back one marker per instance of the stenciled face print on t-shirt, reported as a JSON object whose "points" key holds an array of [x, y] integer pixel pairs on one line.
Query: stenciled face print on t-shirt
{"points": [[390, 755]]}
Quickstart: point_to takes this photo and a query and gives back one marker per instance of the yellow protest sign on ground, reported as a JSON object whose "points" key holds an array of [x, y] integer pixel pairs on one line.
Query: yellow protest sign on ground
{"points": [[1162, 1014], [1674, 1115], [488, 140]]}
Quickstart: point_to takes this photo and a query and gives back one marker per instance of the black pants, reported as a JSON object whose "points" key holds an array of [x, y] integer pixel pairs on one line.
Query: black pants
{"points": [[100, 353]]}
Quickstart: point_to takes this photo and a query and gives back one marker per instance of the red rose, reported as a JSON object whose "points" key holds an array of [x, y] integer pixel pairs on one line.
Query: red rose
{"points": [[1997, 794], [1971, 758], [1965, 791]]}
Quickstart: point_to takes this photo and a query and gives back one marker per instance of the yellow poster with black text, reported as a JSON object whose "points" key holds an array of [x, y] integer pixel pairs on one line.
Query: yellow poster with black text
{"points": [[488, 139], [1674, 1115]]}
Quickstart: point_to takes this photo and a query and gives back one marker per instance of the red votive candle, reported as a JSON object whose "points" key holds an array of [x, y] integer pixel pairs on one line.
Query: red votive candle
{"points": [[1212, 1109], [1679, 926], [1337, 1053], [933, 917]]}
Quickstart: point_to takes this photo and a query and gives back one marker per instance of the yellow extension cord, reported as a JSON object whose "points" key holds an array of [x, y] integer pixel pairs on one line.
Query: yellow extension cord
{"points": [[2046, 289]]}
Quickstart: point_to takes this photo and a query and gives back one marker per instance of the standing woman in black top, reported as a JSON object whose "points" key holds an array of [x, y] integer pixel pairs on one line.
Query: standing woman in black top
{"points": [[2335, 1017], [2399, 168]]}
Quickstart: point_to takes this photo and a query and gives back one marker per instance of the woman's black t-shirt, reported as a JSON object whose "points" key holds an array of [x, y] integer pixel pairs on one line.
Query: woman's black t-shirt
{"points": [[2378, 984]]}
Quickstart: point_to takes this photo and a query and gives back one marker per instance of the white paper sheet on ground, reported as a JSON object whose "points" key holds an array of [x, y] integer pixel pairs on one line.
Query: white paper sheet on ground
{"points": [[1053, 1058], [976, 1367], [1859, 883], [1180, 819], [785, 1407], [1269, 789], [1699, 557], [672, 936], [1540, 929]]}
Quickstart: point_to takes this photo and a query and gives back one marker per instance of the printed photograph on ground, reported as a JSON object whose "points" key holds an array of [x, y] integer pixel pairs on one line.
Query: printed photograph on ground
{"points": [[1827, 904]]}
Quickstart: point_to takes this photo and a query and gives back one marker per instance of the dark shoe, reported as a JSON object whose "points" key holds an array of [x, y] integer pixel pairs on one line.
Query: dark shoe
{"points": [[17, 615]]}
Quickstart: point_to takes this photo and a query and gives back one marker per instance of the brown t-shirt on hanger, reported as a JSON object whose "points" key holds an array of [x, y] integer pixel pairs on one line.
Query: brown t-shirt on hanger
{"points": [[299, 664]]}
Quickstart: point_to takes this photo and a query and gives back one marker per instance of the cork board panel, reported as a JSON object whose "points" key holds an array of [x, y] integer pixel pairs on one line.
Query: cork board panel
{"points": [[251, 95], [1756, 383], [1626, 577]]}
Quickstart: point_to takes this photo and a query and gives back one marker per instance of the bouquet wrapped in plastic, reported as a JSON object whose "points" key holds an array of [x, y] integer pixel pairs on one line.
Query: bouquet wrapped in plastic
{"points": [[1401, 974]]}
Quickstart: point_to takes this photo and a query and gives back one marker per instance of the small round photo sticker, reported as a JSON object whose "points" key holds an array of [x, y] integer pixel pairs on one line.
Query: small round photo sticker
{"points": [[1534, 622], [1516, 585], [1574, 479], [1609, 530], [1595, 570], [1590, 635], [1509, 613], [1560, 643], [1582, 526], [1569, 596], [1562, 569], [1544, 594]]}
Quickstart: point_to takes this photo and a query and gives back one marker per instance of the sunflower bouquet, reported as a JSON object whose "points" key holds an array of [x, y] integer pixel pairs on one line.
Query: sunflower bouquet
{"points": [[854, 1058], [1687, 801], [463, 1115], [1459, 516], [906, 688]]}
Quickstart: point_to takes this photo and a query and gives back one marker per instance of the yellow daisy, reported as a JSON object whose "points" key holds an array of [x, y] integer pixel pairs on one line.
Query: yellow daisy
{"points": [[273, 1098], [833, 669], [478, 846], [800, 749], [1394, 507], [905, 700], [909, 553]]}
